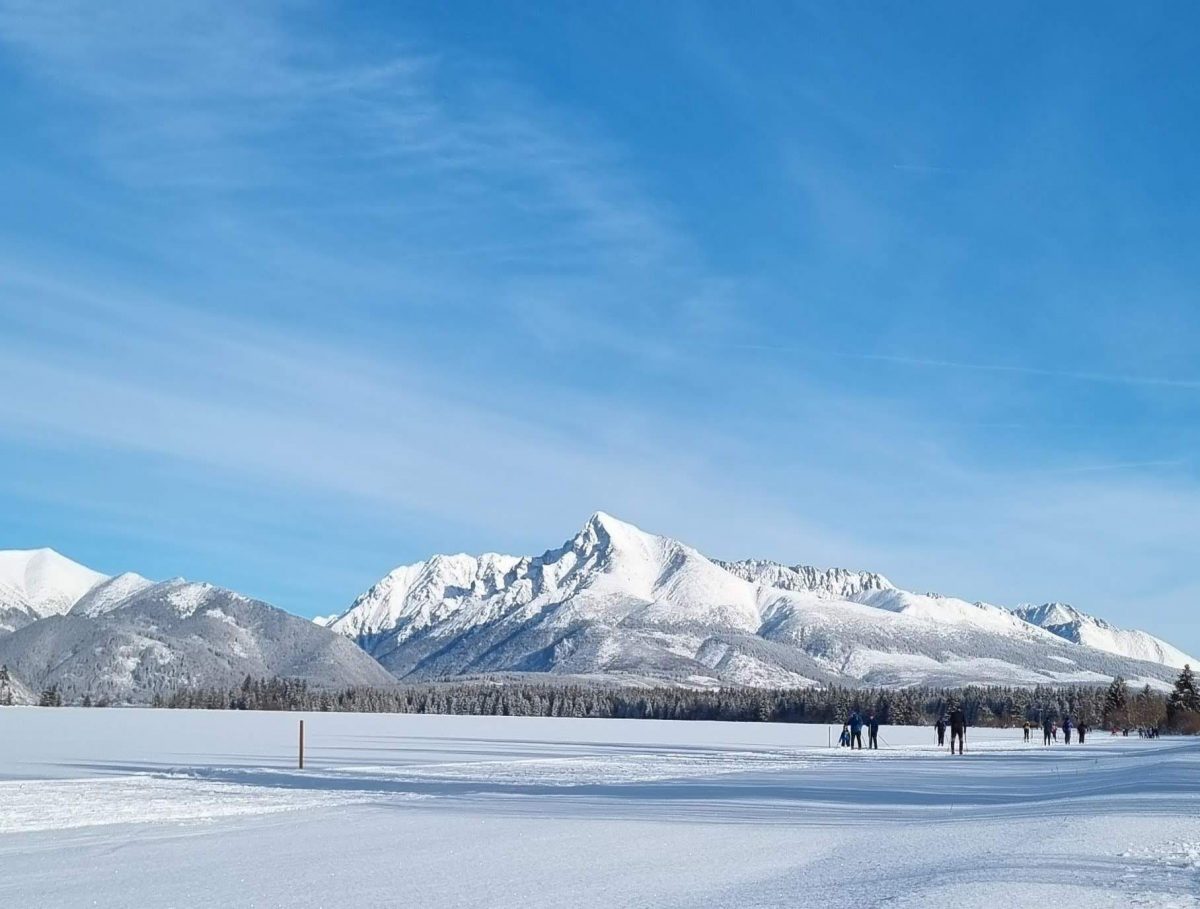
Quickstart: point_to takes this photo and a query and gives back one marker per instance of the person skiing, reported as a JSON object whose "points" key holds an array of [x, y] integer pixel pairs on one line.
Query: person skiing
{"points": [[844, 740], [940, 726], [1047, 730], [873, 731], [1054, 732], [958, 729], [1067, 731], [1082, 730], [856, 725], [1026, 728]]}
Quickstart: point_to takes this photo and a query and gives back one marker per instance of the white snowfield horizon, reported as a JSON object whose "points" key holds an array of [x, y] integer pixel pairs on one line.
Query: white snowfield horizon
{"points": [[613, 603], [539, 813]]}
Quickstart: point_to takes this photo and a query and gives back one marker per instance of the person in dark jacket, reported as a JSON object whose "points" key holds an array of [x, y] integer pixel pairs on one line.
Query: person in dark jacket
{"points": [[1026, 728], [856, 725], [1082, 730], [1067, 730], [873, 731], [958, 729], [1047, 729], [940, 726]]}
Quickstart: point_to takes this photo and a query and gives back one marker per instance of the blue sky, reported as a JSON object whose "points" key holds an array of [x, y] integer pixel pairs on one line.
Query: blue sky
{"points": [[292, 293]]}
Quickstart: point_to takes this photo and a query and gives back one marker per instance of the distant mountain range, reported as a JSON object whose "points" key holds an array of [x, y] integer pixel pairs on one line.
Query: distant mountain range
{"points": [[125, 639], [613, 603], [618, 603]]}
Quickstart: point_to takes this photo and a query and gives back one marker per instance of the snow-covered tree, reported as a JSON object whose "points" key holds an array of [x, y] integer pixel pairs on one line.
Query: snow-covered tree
{"points": [[1116, 703], [1183, 707], [50, 697]]}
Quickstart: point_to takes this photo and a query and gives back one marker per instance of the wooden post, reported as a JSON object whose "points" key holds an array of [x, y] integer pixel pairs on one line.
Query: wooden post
{"points": [[302, 744]]}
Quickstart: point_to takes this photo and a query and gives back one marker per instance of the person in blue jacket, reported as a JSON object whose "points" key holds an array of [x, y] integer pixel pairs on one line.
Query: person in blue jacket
{"points": [[856, 725], [1067, 730], [844, 738]]}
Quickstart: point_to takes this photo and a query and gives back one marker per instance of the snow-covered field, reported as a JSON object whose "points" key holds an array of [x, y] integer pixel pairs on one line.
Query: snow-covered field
{"points": [[121, 808]]}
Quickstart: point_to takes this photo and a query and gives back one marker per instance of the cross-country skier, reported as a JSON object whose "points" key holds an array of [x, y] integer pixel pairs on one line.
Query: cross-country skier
{"points": [[1067, 731], [1026, 728], [1082, 730], [873, 731], [958, 728], [940, 726], [844, 739], [856, 725], [1047, 730]]}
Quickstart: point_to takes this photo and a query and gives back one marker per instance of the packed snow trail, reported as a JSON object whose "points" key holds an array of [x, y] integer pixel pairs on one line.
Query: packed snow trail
{"points": [[181, 808]]}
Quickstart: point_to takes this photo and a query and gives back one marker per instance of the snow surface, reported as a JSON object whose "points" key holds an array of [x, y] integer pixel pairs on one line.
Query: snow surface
{"points": [[117, 808]]}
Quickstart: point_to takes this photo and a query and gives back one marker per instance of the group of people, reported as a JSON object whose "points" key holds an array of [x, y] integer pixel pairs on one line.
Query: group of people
{"points": [[852, 731], [957, 723], [1050, 731]]}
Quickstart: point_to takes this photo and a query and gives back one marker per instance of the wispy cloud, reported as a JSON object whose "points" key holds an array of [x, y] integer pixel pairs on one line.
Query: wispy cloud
{"points": [[392, 276], [1117, 466]]}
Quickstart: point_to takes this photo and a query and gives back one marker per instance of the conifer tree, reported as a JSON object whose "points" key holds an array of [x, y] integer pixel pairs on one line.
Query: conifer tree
{"points": [[1183, 707], [1116, 713]]}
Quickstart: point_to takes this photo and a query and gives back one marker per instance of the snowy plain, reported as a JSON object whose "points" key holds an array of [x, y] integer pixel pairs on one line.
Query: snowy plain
{"points": [[129, 807]]}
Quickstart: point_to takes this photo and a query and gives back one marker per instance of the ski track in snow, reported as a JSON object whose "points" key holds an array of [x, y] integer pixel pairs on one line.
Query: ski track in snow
{"points": [[525, 812], [39, 805]]}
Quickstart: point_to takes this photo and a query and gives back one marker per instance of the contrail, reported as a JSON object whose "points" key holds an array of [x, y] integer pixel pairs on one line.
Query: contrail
{"points": [[1118, 465], [1105, 378]]}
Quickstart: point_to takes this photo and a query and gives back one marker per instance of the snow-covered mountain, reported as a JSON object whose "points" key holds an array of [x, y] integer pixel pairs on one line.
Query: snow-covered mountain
{"points": [[126, 638], [36, 583], [613, 602], [1072, 625], [620, 603]]}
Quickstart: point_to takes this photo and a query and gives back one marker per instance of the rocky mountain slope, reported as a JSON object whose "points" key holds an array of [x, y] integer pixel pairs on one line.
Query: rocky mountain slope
{"points": [[620, 603]]}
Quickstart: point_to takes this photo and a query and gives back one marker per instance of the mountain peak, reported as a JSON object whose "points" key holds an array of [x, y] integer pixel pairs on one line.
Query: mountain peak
{"points": [[110, 593], [1049, 614], [43, 581], [1078, 627], [604, 523], [603, 535]]}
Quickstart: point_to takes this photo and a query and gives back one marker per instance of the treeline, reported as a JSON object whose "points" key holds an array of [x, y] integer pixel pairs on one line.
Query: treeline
{"points": [[1113, 706]]}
